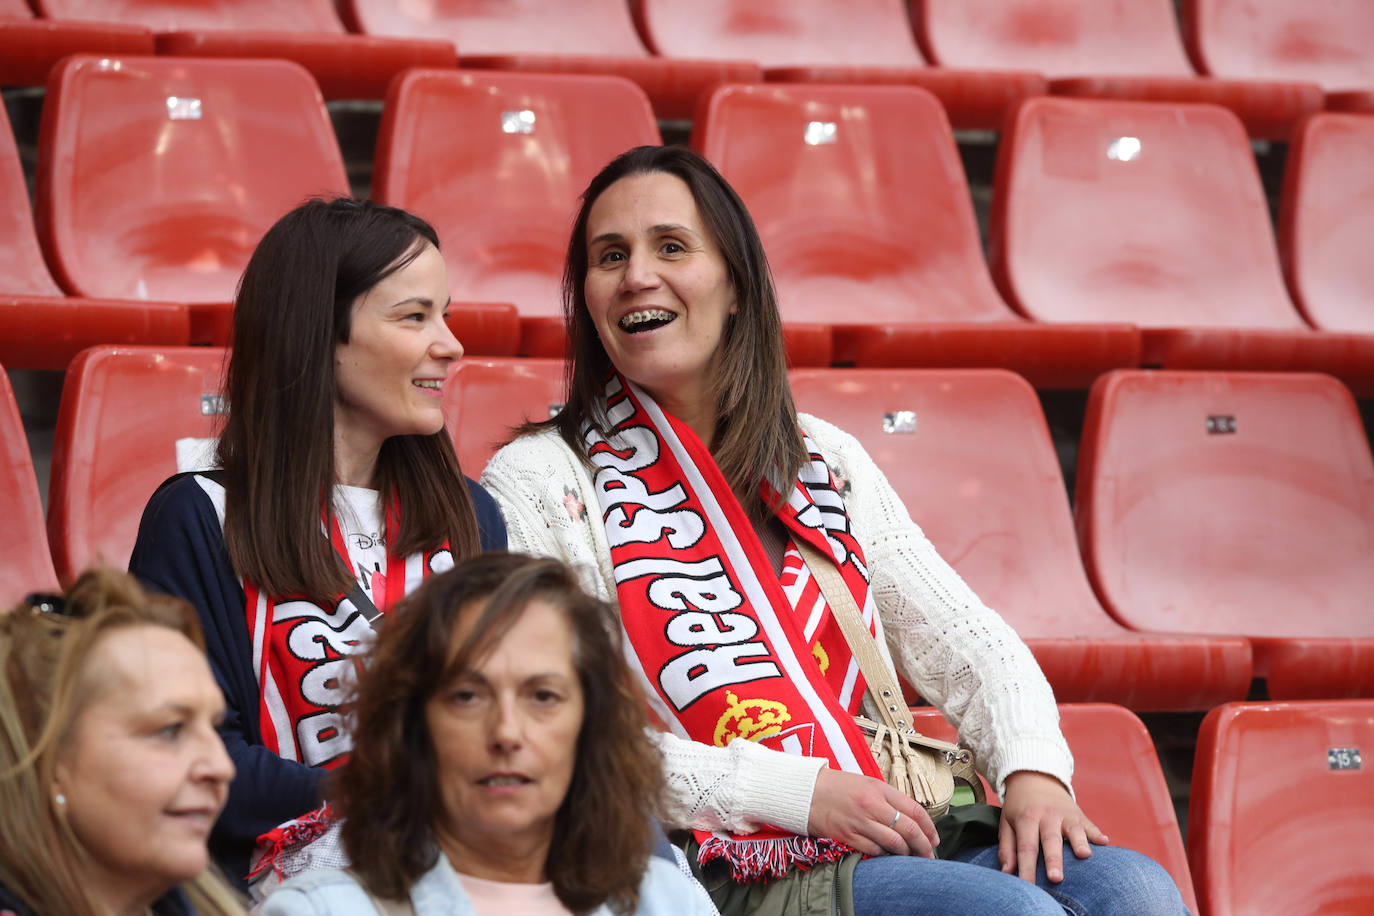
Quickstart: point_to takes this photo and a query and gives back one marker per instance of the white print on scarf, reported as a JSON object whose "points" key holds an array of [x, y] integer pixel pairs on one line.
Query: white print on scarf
{"points": [[699, 595], [329, 638]]}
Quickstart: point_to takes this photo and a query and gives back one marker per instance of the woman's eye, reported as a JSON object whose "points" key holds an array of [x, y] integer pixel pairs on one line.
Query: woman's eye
{"points": [[672, 248], [611, 256], [546, 697], [171, 731], [463, 696]]}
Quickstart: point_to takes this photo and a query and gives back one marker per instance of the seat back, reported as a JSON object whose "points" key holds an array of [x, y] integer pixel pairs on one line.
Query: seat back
{"points": [[783, 33], [127, 413], [1323, 235], [970, 456], [157, 176], [174, 15], [1280, 808], [480, 27], [22, 271], [496, 162], [1117, 780], [1238, 503], [487, 398], [25, 565], [1055, 37], [15, 9], [1326, 43], [860, 199], [1150, 213]]}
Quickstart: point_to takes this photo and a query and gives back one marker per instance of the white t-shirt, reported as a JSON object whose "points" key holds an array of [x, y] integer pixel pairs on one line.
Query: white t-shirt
{"points": [[363, 525]]}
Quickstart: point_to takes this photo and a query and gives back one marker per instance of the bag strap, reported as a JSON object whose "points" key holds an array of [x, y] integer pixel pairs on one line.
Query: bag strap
{"points": [[383, 906], [882, 683]]}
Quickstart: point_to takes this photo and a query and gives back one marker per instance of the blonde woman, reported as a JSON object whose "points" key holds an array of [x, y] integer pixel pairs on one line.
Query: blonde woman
{"points": [[111, 771]]}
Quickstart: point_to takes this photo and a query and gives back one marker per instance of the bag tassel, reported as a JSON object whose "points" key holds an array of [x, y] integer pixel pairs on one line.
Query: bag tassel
{"points": [[760, 860]]}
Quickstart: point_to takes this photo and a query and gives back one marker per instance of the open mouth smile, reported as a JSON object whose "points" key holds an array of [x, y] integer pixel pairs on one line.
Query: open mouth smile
{"points": [[646, 320]]}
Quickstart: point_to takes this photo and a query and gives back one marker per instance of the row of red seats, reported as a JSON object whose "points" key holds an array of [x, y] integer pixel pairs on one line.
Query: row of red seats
{"points": [[1280, 800], [1225, 520], [1127, 233], [1271, 62]]}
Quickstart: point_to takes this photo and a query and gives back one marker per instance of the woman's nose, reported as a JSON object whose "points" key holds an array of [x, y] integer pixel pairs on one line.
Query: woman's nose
{"points": [[446, 345], [214, 763], [640, 273], [506, 726]]}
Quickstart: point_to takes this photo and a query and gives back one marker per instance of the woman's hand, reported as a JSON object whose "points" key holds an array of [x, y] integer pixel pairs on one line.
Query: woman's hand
{"points": [[1037, 811], [858, 811]]}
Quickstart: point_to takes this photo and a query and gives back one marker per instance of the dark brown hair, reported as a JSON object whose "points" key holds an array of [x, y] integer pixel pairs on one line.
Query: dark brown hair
{"points": [[389, 793], [756, 427], [294, 306], [46, 680]]}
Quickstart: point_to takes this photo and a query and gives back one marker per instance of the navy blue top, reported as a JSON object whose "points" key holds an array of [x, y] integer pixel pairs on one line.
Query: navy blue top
{"points": [[180, 551]]}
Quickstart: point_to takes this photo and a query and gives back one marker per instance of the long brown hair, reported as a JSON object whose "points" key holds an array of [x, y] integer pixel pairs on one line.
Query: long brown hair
{"points": [[389, 793], [756, 427], [45, 683], [294, 306]]}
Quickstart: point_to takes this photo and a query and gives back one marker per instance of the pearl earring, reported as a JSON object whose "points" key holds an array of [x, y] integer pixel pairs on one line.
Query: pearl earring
{"points": [[60, 799]]}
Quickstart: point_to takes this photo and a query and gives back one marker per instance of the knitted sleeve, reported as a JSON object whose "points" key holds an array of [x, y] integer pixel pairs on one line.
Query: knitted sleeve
{"points": [[961, 656]]}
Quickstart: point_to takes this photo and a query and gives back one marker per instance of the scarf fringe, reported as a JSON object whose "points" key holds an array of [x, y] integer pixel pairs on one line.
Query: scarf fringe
{"points": [[752, 861], [289, 837]]}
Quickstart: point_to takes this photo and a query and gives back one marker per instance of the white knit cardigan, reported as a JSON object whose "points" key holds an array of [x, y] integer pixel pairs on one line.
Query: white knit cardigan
{"points": [[961, 656]]}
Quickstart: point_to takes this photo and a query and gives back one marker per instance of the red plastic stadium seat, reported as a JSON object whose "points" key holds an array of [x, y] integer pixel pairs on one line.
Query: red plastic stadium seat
{"points": [[1239, 504], [1153, 213], [1281, 803], [1117, 780], [305, 31], [29, 47], [1324, 223], [502, 191], [865, 214], [1359, 101], [126, 413], [970, 455], [553, 36], [830, 41], [15, 9], [1126, 49], [1327, 43], [25, 565], [486, 398], [39, 328], [217, 151]]}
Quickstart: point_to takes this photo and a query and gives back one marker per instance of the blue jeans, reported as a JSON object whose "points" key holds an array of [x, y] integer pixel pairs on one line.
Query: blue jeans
{"points": [[1111, 882]]}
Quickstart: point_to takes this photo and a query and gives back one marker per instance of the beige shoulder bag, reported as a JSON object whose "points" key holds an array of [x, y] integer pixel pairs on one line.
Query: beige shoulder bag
{"points": [[924, 768]]}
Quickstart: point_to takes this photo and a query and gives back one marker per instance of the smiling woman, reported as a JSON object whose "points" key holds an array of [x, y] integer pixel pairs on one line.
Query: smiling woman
{"points": [[111, 773], [502, 763], [338, 493]]}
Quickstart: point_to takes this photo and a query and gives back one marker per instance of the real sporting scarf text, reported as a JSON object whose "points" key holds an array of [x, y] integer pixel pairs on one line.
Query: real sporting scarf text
{"points": [[728, 649]]}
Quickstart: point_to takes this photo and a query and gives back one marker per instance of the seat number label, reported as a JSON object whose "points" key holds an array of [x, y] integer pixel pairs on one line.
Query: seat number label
{"points": [[1343, 758]]}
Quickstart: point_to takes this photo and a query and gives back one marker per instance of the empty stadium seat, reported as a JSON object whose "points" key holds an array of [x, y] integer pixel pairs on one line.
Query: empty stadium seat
{"points": [[864, 211], [830, 41], [15, 9], [1325, 43], [553, 36], [970, 455], [1116, 779], [501, 206], [29, 47], [1238, 504], [305, 31], [25, 565], [1152, 213], [1325, 223], [1104, 48], [1281, 803], [486, 398], [39, 327], [211, 153], [127, 413]]}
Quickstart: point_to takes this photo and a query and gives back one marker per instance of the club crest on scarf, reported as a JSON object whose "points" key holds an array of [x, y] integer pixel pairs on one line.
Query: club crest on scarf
{"points": [[726, 647]]}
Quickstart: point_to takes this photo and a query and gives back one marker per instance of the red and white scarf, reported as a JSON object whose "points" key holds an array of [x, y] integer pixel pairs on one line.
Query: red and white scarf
{"points": [[724, 647], [303, 652]]}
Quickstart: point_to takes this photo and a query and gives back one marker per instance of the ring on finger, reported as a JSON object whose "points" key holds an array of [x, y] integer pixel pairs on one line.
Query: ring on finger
{"points": [[895, 818]]}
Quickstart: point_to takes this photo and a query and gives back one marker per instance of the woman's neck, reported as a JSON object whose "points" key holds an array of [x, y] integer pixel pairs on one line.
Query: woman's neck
{"points": [[519, 859], [697, 412], [117, 895], [355, 465]]}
